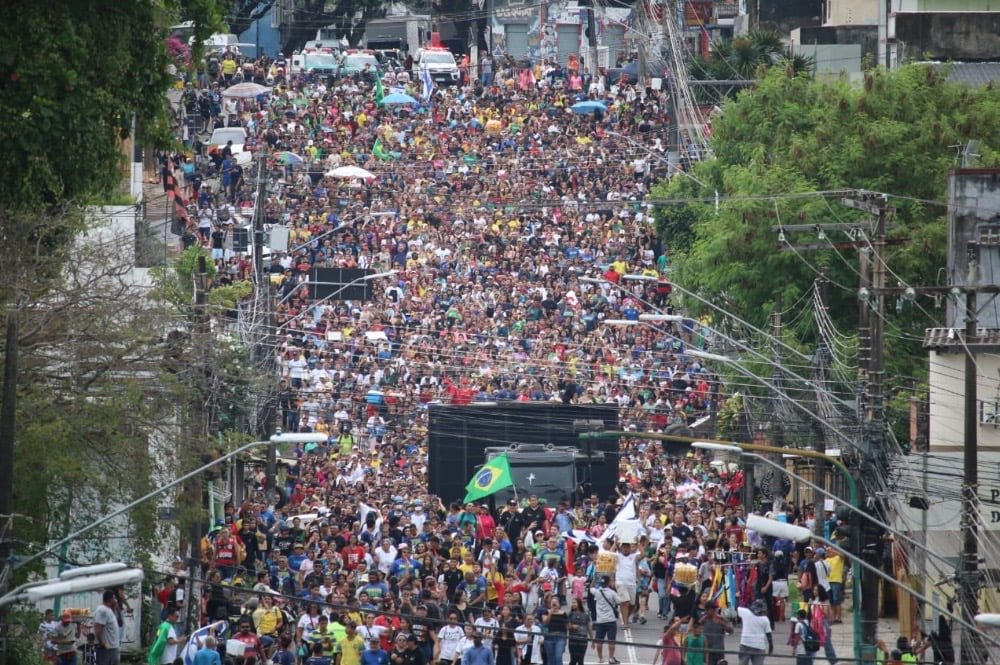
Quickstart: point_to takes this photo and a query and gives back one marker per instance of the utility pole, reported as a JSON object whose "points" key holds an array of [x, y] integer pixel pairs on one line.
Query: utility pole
{"points": [[592, 38], [871, 370], [195, 489], [822, 286], [778, 379], [972, 646], [8, 422]]}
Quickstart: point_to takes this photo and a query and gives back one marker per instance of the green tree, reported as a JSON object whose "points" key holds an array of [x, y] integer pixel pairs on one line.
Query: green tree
{"points": [[74, 77], [92, 399], [778, 146]]}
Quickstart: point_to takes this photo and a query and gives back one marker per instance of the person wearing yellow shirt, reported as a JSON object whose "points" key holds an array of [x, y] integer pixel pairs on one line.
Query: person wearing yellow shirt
{"points": [[228, 67], [493, 580], [351, 646], [458, 551], [619, 266], [268, 620], [835, 576], [468, 564]]}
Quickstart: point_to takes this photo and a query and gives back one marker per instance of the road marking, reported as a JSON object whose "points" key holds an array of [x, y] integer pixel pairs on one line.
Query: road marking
{"points": [[630, 649]]}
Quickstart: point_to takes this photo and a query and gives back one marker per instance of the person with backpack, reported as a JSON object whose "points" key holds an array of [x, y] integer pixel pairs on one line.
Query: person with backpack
{"points": [[804, 641], [820, 609]]}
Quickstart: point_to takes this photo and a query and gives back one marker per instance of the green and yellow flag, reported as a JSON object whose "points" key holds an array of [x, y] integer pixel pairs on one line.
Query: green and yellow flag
{"points": [[490, 478], [379, 90]]}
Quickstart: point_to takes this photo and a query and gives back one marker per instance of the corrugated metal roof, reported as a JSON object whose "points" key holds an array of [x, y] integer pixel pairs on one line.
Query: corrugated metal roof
{"points": [[950, 339], [972, 74]]}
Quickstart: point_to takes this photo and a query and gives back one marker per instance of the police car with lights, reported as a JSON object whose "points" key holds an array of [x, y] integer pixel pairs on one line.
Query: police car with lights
{"points": [[440, 63]]}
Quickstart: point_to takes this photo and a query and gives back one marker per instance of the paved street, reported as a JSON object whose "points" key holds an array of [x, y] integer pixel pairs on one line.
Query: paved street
{"points": [[639, 643]]}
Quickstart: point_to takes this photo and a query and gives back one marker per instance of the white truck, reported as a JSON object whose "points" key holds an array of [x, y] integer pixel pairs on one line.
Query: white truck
{"points": [[440, 63]]}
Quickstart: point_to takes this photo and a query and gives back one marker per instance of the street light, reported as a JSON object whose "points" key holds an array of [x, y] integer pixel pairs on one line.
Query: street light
{"points": [[97, 569], [709, 356], [274, 440], [853, 498], [660, 317], [801, 534], [732, 446], [721, 447], [706, 445], [85, 583], [87, 578]]}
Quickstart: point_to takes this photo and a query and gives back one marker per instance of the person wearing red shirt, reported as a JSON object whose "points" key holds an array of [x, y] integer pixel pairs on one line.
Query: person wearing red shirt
{"points": [[225, 553], [485, 524], [353, 553], [253, 648]]}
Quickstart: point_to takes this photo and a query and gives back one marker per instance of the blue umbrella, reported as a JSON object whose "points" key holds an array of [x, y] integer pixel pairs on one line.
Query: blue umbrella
{"points": [[583, 108], [289, 158], [398, 98]]}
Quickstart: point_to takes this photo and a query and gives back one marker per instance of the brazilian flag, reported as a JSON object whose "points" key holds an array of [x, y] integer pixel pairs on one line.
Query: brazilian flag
{"points": [[379, 90], [489, 478]]}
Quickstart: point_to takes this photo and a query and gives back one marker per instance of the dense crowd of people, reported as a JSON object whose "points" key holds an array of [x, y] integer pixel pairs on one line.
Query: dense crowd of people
{"points": [[519, 252]]}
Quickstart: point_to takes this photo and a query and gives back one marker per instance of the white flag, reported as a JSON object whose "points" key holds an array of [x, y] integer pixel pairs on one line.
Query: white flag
{"points": [[365, 509], [428, 81], [197, 640], [357, 475], [627, 512]]}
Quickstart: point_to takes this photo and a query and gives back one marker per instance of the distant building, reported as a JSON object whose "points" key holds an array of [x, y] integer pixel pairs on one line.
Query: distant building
{"points": [[780, 15], [974, 199], [959, 30]]}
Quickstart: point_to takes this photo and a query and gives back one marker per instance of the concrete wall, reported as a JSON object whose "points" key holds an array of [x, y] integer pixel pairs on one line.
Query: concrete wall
{"points": [[947, 394], [864, 35], [850, 12], [834, 60], [968, 36], [944, 516], [973, 198]]}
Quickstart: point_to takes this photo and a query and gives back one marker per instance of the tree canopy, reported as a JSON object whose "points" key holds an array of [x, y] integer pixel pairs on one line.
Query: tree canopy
{"points": [[75, 77], [782, 152]]}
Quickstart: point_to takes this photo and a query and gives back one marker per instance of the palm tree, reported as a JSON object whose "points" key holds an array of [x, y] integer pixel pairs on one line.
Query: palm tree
{"points": [[797, 64]]}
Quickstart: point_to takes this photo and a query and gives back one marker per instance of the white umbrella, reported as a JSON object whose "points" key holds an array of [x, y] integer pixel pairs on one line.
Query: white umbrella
{"points": [[349, 172], [246, 90]]}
